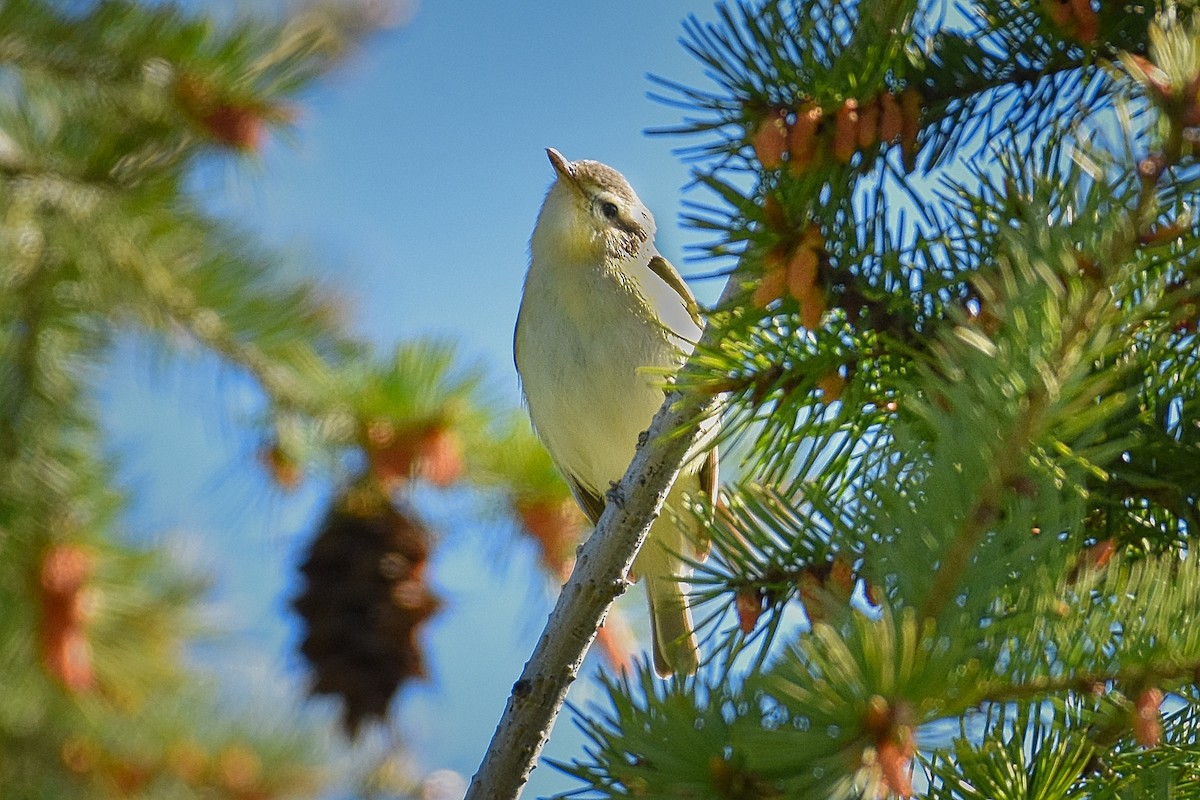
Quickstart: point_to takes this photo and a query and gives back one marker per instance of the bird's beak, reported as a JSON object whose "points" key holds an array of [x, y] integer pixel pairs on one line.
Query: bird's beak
{"points": [[564, 168]]}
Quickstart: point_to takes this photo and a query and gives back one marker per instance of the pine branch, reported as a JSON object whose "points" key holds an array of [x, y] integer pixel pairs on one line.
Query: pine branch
{"points": [[1013, 457], [21, 357], [1029, 751], [180, 273], [1151, 674], [103, 107], [1017, 395]]}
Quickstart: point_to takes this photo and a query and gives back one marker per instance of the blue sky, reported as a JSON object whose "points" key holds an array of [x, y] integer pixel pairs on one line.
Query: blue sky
{"points": [[410, 186]]}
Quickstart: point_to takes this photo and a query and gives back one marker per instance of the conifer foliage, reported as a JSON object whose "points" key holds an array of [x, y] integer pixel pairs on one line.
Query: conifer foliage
{"points": [[106, 108], [963, 367]]}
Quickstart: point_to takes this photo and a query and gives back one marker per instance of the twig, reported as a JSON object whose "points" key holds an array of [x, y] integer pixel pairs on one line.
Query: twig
{"points": [[1139, 675]]}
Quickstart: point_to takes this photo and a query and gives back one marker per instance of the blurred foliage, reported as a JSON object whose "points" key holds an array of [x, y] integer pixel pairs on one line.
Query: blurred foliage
{"points": [[106, 110]]}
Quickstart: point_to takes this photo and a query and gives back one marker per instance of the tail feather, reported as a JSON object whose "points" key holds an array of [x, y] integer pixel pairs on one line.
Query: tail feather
{"points": [[661, 566], [674, 641]]}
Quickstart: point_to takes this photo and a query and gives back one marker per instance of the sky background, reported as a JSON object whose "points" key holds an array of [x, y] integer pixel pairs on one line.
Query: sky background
{"points": [[410, 186]]}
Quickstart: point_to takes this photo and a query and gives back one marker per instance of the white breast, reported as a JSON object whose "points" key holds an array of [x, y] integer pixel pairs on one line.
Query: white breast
{"points": [[590, 365]]}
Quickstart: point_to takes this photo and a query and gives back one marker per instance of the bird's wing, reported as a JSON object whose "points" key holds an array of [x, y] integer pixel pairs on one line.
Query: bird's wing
{"points": [[591, 503], [709, 476], [663, 269], [516, 342], [709, 469]]}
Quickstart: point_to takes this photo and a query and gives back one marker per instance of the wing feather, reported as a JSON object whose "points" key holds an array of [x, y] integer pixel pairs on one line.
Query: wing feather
{"points": [[663, 269], [591, 503]]}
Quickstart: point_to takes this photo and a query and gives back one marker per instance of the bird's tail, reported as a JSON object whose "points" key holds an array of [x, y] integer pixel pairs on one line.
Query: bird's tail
{"points": [[660, 565], [675, 649]]}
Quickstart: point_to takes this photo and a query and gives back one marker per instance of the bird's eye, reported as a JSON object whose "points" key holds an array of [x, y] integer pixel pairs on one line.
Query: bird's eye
{"points": [[609, 210]]}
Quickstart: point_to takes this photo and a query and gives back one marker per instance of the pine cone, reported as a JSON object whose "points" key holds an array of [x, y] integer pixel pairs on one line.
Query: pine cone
{"points": [[364, 599]]}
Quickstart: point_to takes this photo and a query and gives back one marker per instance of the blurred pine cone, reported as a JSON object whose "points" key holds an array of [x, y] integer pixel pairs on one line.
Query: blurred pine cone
{"points": [[363, 601], [62, 586]]}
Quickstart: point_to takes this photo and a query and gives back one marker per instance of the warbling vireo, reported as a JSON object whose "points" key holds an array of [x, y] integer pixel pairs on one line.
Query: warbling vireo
{"points": [[603, 318]]}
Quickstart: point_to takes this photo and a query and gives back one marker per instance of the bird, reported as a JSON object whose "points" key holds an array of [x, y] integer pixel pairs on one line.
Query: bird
{"points": [[604, 318]]}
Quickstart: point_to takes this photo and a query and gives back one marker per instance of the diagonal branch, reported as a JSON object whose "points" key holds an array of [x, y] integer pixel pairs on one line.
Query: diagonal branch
{"points": [[599, 578]]}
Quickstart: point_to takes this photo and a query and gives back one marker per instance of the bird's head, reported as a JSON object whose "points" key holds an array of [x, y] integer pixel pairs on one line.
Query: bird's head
{"points": [[591, 213]]}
